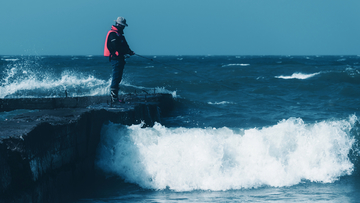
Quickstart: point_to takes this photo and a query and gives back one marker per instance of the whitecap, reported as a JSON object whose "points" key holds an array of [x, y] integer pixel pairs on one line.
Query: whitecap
{"points": [[236, 64], [300, 76], [10, 60], [220, 103]]}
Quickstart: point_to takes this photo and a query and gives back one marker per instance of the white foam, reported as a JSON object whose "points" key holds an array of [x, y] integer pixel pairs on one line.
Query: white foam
{"points": [[236, 64], [10, 60], [220, 103], [25, 80], [150, 90], [300, 76], [165, 91], [185, 159]]}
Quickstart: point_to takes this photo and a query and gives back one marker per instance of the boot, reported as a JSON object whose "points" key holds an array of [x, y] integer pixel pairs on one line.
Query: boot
{"points": [[114, 95]]}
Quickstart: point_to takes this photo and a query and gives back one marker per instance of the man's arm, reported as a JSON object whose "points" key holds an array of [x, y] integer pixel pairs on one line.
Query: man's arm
{"points": [[127, 49], [119, 44]]}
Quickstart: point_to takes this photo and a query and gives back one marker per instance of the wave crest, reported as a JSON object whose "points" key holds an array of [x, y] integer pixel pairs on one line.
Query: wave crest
{"points": [[185, 159], [300, 76]]}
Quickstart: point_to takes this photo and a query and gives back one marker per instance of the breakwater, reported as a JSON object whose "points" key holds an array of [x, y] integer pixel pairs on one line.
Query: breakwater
{"points": [[45, 156]]}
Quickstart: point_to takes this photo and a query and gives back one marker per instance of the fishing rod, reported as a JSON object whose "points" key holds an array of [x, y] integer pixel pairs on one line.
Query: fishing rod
{"points": [[190, 73]]}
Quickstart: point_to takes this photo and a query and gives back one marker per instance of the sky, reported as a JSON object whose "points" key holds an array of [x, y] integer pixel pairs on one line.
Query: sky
{"points": [[182, 27]]}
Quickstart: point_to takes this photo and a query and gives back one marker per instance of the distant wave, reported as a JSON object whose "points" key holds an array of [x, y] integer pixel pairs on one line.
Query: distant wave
{"points": [[220, 103], [300, 76], [183, 159], [236, 64], [10, 59]]}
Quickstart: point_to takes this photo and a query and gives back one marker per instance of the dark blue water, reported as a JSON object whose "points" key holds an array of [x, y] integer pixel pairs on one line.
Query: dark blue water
{"points": [[244, 128]]}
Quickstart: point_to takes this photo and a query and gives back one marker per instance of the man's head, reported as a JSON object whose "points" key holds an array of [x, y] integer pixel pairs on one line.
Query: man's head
{"points": [[121, 22]]}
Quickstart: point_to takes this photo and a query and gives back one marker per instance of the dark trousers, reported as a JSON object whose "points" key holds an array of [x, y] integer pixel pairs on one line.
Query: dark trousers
{"points": [[117, 72]]}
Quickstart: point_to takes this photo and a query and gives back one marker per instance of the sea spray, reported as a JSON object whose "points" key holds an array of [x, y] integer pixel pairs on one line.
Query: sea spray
{"points": [[19, 80], [186, 159], [25, 79]]}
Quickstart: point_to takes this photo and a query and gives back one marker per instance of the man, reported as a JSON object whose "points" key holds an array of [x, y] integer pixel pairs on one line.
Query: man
{"points": [[116, 48]]}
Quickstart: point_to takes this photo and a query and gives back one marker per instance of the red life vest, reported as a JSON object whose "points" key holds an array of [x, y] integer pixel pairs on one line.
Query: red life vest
{"points": [[106, 50]]}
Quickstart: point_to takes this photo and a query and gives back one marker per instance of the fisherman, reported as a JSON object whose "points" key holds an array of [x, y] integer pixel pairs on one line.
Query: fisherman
{"points": [[116, 48]]}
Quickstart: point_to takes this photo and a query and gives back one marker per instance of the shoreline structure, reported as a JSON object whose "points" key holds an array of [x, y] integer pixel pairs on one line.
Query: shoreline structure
{"points": [[49, 155]]}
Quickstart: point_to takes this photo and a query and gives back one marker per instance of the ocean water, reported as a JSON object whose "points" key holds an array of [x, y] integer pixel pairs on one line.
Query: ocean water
{"points": [[244, 128]]}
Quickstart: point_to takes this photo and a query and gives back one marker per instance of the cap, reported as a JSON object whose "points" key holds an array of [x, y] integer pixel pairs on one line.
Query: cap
{"points": [[121, 21]]}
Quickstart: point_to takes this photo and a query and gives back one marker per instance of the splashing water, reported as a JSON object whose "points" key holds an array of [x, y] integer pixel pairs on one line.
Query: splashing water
{"points": [[185, 159], [23, 80]]}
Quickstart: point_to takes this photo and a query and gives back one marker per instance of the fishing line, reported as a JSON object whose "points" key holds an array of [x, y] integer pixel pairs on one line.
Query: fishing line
{"points": [[187, 72]]}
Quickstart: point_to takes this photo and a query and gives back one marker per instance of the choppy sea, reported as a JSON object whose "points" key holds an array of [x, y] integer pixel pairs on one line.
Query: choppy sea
{"points": [[244, 128]]}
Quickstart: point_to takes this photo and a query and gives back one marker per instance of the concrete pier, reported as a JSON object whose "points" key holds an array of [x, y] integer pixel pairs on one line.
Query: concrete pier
{"points": [[45, 156]]}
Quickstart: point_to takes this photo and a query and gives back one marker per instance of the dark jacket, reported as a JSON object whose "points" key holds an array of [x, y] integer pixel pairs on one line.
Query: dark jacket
{"points": [[117, 44]]}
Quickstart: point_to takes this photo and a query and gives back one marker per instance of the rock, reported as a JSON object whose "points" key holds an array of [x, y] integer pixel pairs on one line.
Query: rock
{"points": [[46, 156]]}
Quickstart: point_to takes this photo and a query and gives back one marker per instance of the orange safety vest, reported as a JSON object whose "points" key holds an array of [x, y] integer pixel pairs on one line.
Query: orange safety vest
{"points": [[106, 50]]}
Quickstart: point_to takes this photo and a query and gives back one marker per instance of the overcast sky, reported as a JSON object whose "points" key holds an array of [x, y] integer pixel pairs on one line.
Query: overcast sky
{"points": [[182, 27]]}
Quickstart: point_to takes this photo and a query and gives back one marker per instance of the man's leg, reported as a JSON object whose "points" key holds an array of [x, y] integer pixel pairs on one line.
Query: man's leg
{"points": [[117, 72]]}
